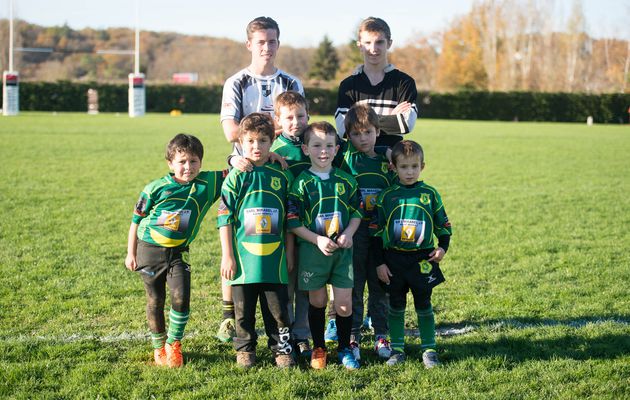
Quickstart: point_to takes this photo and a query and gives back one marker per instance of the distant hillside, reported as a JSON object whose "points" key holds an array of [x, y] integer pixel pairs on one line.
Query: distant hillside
{"points": [[75, 56]]}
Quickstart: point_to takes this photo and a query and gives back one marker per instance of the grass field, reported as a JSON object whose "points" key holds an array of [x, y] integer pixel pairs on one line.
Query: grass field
{"points": [[538, 272]]}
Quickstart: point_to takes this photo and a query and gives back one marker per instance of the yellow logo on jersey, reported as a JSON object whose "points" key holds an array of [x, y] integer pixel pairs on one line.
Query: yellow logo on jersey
{"points": [[263, 223], [275, 183], [172, 222], [341, 189], [332, 226], [370, 202], [384, 167], [425, 199], [408, 233], [425, 267]]}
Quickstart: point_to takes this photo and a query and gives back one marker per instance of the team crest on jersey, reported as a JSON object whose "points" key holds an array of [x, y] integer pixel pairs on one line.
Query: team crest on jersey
{"points": [[384, 168], [265, 88], [340, 188], [425, 199], [425, 267], [275, 183]]}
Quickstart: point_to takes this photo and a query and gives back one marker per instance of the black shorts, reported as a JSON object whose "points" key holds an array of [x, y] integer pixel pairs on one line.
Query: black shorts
{"points": [[411, 271]]}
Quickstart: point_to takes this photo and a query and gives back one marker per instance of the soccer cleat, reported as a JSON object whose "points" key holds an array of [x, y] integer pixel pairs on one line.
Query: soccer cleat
{"points": [[430, 359], [285, 361], [397, 357], [356, 351], [159, 355], [331, 331], [174, 357], [245, 359], [318, 358], [347, 359], [304, 348], [226, 330], [381, 347]]}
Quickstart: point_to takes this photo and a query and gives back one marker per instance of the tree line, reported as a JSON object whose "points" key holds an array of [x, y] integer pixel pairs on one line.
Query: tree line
{"points": [[508, 45]]}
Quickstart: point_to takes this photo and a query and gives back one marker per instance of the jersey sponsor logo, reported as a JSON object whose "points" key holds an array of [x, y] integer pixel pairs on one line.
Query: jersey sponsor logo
{"points": [[176, 221], [275, 183], [431, 278], [265, 89], [369, 196], [340, 188], [261, 221], [409, 230], [328, 224], [222, 210], [425, 199], [140, 208], [306, 276]]}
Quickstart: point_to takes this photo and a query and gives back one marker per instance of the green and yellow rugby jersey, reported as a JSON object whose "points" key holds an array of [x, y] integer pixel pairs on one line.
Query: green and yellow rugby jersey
{"points": [[291, 150], [169, 213], [254, 204], [324, 206], [408, 218], [372, 174]]}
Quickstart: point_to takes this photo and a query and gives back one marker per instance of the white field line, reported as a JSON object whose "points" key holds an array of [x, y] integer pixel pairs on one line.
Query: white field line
{"points": [[443, 331]]}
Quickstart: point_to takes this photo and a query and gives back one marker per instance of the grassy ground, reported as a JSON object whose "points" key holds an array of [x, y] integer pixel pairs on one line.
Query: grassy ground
{"points": [[538, 270]]}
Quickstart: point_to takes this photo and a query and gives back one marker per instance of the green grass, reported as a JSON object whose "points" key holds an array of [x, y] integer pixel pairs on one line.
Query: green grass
{"points": [[538, 267]]}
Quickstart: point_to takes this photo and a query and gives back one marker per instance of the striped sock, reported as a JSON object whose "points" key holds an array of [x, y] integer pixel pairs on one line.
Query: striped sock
{"points": [[158, 339], [397, 329], [228, 309], [176, 326], [426, 324]]}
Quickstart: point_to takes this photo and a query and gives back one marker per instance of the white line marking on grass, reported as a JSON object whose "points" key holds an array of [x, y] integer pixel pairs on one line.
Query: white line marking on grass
{"points": [[443, 331]]}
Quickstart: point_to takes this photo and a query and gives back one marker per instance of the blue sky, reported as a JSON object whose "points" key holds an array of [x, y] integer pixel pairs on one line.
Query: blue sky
{"points": [[337, 19]]}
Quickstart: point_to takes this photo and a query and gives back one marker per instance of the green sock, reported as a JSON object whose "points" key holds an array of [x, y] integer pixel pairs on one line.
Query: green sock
{"points": [[177, 324], [397, 329], [426, 324], [158, 339]]}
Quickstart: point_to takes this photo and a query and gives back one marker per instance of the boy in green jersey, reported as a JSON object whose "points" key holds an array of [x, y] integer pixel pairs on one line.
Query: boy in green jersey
{"points": [[251, 221], [165, 221], [290, 110], [324, 212], [408, 217], [371, 170]]}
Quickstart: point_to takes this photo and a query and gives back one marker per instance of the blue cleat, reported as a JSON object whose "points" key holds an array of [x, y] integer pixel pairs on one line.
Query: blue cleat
{"points": [[331, 331], [346, 357]]}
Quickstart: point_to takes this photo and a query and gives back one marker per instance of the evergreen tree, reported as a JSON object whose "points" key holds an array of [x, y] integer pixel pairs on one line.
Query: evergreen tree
{"points": [[325, 61]]}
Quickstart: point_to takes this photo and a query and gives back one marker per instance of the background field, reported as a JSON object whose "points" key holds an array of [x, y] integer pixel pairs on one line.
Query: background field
{"points": [[537, 275]]}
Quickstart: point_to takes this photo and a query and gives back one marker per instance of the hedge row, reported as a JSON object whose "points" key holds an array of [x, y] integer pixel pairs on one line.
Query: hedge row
{"points": [[503, 106]]}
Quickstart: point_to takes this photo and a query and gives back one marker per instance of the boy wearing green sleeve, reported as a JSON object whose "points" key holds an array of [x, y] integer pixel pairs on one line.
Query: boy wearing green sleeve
{"points": [[408, 217], [165, 221], [324, 212], [251, 220], [371, 170]]}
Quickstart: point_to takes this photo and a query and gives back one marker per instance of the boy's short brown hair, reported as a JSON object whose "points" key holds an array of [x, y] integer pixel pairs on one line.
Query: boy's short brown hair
{"points": [[261, 24], [321, 126], [361, 117], [407, 148], [184, 143], [290, 98], [373, 24], [259, 123]]}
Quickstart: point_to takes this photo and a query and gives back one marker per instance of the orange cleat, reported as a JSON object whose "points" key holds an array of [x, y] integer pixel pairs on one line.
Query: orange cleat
{"points": [[159, 355], [318, 358], [174, 357]]}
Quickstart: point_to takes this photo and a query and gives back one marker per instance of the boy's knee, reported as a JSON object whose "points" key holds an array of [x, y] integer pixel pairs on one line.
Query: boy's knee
{"points": [[343, 309], [318, 303]]}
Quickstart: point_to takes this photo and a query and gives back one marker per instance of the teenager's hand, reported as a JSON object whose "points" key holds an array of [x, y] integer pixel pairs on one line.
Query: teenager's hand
{"points": [[241, 163], [344, 241], [383, 273], [326, 245], [402, 108], [130, 262], [437, 255], [275, 157], [228, 268]]}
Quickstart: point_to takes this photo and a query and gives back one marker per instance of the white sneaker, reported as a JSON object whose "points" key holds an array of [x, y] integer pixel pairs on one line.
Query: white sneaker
{"points": [[382, 348], [356, 351]]}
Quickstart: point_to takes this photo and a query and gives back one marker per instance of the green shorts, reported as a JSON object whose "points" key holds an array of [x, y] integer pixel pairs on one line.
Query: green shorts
{"points": [[315, 269]]}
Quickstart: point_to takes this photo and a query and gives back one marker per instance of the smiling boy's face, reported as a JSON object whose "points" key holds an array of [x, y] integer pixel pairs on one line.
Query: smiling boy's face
{"points": [[321, 149]]}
